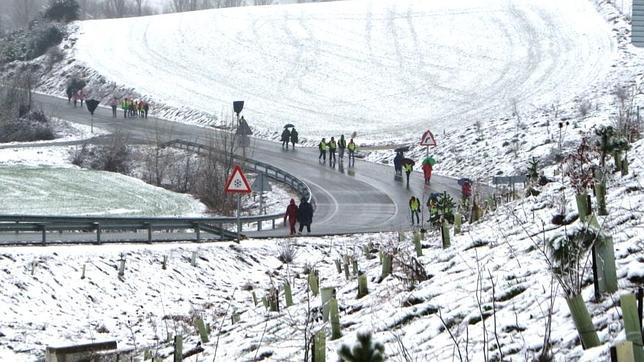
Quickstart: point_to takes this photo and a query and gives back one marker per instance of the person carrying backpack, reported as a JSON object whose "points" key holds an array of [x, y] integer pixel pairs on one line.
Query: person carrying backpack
{"points": [[294, 138], [414, 207], [305, 215], [332, 147], [291, 215], [342, 144], [286, 135], [322, 147]]}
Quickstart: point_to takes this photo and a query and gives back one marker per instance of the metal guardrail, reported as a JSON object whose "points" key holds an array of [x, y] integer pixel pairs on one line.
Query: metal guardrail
{"points": [[274, 173], [98, 224]]}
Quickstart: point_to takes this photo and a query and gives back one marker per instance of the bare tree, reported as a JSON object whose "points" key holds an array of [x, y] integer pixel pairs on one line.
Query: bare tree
{"points": [[262, 2], [23, 11], [115, 8]]}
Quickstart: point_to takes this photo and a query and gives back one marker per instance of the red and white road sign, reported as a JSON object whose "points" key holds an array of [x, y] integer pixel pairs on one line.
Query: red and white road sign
{"points": [[427, 139], [237, 182]]}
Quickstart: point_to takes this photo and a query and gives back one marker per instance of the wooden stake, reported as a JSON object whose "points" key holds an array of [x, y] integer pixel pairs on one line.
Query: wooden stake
{"points": [[83, 274], [178, 349], [338, 266]]}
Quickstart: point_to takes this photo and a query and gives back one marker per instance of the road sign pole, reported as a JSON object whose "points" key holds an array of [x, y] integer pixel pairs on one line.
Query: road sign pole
{"points": [[238, 218]]}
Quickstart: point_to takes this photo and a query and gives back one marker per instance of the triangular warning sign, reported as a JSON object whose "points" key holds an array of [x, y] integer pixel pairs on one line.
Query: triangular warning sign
{"points": [[237, 182], [427, 139]]}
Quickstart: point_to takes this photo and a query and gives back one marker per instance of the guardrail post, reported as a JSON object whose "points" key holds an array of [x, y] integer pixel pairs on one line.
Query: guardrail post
{"points": [[17, 223], [44, 234], [273, 221], [149, 227], [197, 231], [221, 231], [97, 226]]}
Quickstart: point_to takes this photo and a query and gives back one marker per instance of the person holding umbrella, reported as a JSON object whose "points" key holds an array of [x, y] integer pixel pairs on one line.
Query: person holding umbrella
{"points": [[286, 136], [428, 164], [408, 166]]}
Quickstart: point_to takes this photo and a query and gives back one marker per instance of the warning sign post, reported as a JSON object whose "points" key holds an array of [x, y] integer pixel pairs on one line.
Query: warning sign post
{"points": [[238, 183]]}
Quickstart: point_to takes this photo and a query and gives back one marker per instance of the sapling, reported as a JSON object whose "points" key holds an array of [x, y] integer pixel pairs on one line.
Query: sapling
{"points": [[364, 351]]}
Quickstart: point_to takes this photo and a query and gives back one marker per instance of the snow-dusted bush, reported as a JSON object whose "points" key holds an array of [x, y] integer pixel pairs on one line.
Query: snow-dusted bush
{"points": [[31, 43], [34, 126]]}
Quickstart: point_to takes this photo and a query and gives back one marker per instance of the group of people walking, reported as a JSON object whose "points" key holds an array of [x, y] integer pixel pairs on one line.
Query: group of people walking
{"points": [[132, 108], [341, 146], [302, 214], [289, 136]]}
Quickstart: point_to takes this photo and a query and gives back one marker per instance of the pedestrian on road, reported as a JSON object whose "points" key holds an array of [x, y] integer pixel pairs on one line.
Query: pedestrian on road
{"points": [[466, 189], [305, 215], [291, 215], [146, 108], [352, 148], [342, 144], [427, 172], [408, 168], [124, 106], [332, 147], [414, 207], [322, 146], [113, 103], [294, 138], [397, 165], [286, 135], [80, 94]]}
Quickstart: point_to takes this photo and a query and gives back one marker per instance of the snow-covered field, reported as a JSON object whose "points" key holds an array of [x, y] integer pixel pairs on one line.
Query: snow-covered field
{"points": [[386, 69], [500, 254]]}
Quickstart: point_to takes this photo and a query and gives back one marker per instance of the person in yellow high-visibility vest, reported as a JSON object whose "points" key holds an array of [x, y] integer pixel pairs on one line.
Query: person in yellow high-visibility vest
{"points": [[414, 207], [408, 168]]}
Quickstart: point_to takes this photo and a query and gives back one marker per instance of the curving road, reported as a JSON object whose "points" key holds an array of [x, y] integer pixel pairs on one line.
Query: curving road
{"points": [[364, 198]]}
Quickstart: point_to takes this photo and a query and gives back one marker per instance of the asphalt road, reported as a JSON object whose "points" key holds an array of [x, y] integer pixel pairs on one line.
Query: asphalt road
{"points": [[363, 198]]}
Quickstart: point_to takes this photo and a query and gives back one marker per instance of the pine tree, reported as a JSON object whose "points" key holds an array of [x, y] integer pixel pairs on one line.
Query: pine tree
{"points": [[364, 351]]}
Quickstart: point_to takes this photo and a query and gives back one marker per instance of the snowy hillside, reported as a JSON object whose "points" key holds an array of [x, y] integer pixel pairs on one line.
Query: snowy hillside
{"points": [[382, 68]]}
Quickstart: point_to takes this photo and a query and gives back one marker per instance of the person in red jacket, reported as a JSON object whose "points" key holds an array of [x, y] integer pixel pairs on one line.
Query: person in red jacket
{"points": [[427, 172], [291, 215]]}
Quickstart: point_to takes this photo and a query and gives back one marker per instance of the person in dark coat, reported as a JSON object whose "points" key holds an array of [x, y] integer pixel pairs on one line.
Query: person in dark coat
{"points": [[305, 215], [291, 215], [397, 165], [342, 144], [294, 138], [286, 135]]}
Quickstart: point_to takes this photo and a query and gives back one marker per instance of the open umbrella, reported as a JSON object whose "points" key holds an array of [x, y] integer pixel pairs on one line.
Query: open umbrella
{"points": [[407, 161], [288, 125], [429, 160], [402, 149], [463, 180]]}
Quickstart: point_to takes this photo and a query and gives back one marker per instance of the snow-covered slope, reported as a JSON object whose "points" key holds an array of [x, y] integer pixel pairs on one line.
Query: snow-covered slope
{"points": [[386, 69]]}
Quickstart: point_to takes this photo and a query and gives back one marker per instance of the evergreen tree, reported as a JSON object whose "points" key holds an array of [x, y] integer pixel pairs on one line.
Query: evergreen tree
{"points": [[62, 10], [364, 351]]}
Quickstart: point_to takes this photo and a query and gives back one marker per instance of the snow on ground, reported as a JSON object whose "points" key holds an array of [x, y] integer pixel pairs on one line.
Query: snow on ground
{"points": [[387, 69], [497, 249], [499, 260], [71, 191]]}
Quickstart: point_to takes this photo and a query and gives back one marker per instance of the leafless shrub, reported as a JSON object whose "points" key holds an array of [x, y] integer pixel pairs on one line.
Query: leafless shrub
{"points": [[584, 107], [286, 252], [54, 55]]}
